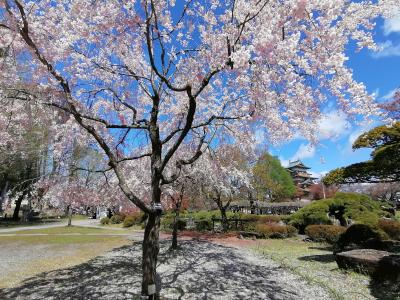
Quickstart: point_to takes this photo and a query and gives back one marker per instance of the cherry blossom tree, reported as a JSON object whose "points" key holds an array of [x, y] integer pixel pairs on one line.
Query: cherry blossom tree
{"points": [[145, 77], [221, 176]]}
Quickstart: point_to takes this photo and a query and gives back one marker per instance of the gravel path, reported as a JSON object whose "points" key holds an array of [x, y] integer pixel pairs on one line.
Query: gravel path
{"points": [[199, 270]]}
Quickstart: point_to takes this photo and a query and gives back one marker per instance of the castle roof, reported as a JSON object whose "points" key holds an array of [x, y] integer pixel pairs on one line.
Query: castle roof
{"points": [[297, 163]]}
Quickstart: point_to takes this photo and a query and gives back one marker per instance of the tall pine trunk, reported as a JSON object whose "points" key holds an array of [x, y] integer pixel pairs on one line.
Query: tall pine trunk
{"points": [[151, 248]]}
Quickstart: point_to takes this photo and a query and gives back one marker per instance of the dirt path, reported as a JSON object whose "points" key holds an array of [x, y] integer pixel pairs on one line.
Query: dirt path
{"points": [[91, 223], [199, 270]]}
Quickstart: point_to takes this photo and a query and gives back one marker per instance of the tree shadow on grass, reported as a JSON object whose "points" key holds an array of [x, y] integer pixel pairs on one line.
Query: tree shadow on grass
{"points": [[323, 248], [199, 270], [384, 290], [323, 258]]}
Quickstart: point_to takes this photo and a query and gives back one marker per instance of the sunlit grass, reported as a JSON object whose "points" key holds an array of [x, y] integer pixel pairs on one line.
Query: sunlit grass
{"points": [[68, 230]]}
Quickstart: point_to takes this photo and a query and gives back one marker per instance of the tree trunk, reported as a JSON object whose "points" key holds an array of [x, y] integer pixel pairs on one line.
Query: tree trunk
{"points": [[3, 194], [18, 205], [224, 219], [69, 215], [149, 257], [175, 231]]}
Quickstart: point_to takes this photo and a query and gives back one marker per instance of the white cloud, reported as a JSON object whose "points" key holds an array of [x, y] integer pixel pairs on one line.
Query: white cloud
{"points": [[387, 49], [391, 25], [390, 94], [348, 148], [284, 162], [333, 125], [304, 151], [318, 175], [352, 137]]}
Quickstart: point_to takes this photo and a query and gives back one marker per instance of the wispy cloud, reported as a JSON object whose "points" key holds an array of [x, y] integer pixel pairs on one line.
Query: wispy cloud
{"points": [[387, 48], [390, 94], [304, 151], [391, 25], [333, 125]]}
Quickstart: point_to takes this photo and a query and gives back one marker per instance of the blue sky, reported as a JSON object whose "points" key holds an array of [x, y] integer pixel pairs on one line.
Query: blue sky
{"points": [[379, 71]]}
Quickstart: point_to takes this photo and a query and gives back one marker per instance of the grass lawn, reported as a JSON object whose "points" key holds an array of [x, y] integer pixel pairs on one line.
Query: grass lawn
{"points": [[64, 230], [134, 227], [315, 263], [9, 223]]}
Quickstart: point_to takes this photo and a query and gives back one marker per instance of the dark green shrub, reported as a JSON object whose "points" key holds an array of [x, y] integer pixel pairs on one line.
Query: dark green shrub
{"points": [[360, 236], [204, 225], [181, 224], [390, 227], [343, 206], [275, 231], [168, 223], [324, 233], [116, 219], [105, 221], [314, 213]]}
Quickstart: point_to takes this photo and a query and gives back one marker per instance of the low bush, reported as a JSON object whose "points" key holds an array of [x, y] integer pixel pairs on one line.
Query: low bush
{"points": [[253, 220], [324, 233], [360, 236], [261, 218], [105, 221], [166, 222], [133, 219], [116, 219], [181, 224], [390, 227], [204, 225], [275, 231]]}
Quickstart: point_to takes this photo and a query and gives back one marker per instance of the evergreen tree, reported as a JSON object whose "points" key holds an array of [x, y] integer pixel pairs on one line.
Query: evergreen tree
{"points": [[272, 180]]}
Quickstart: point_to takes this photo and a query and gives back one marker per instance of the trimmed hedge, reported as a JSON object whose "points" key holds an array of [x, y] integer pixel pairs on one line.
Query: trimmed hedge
{"points": [[390, 227], [261, 218], [203, 219], [360, 236], [357, 207], [324, 233], [275, 231]]}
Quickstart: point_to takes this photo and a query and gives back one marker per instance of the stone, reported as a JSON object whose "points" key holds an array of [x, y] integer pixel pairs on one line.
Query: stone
{"points": [[378, 263]]}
